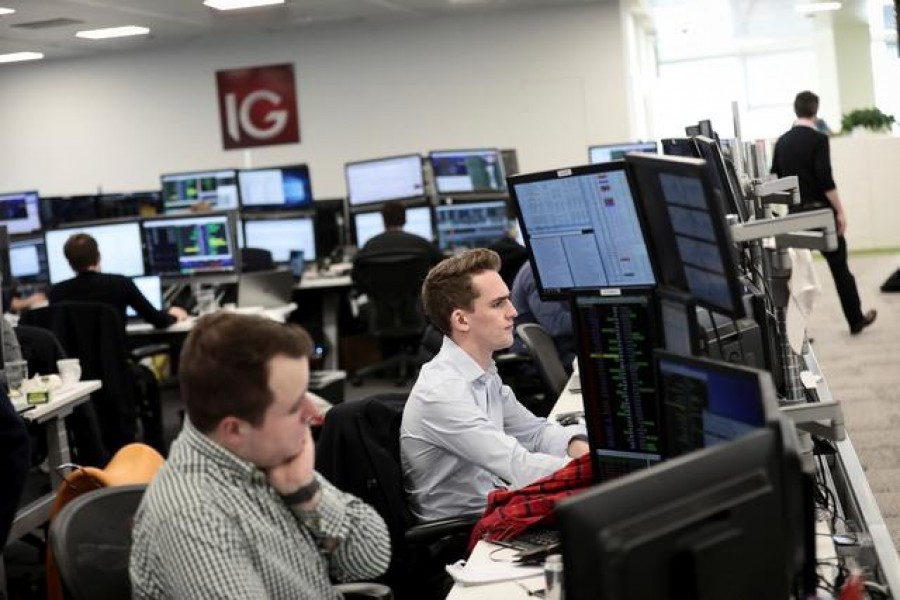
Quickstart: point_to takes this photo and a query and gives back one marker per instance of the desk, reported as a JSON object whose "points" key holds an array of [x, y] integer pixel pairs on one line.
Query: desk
{"points": [[278, 313], [53, 415], [332, 286]]}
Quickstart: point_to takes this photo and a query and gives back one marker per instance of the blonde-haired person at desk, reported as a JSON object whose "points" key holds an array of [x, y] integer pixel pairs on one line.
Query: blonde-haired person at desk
{"points": [[90, 285], [463, 432]]}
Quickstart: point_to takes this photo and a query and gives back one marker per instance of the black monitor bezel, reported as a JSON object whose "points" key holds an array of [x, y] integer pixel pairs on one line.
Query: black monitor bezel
{"points": [[662, 242], [278, 216], [479, 194], [378, 203], [581, 170], [733, 198], [265, 208], [181, 211], [621, 145]]}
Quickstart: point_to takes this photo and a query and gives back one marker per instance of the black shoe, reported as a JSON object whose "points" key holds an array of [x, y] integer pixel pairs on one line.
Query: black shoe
{"points": [[868, 319]]}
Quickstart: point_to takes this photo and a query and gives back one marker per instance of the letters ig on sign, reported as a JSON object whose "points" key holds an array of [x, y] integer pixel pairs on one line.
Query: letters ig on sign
{"points": [[258, 106]]}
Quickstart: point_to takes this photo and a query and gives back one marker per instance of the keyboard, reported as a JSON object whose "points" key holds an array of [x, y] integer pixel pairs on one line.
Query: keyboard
{"points": [[539, 540]]}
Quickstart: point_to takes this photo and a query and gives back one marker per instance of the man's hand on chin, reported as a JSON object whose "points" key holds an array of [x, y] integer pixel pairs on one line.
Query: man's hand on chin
{"points": [[296, 471]]}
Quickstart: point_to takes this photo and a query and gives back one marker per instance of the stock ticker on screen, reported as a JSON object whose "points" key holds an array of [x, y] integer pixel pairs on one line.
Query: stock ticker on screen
{"points": [[190, 245]]}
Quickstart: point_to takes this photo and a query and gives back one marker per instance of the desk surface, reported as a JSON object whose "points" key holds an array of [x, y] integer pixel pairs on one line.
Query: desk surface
{"points": [[62, 401], [278, 313]]}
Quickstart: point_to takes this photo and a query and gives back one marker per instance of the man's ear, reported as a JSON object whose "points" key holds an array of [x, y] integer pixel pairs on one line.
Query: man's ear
{"points": [[459, 320], [231, 431]]}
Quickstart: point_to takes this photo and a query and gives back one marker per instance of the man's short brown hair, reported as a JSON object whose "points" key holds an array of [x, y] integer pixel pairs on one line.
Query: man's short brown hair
{"points": [[806, 105], [82, 252], [393, 213], [448, 285], [224, 368]]}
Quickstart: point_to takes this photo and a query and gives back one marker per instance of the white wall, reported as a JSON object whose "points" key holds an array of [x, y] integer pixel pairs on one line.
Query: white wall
{"points": [[546, 82]]}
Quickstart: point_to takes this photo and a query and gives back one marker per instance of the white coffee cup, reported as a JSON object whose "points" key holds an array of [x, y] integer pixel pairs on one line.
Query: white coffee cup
{"points": [[69, 370]]}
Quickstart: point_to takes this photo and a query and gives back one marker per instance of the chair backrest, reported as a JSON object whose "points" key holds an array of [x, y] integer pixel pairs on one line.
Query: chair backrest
{"points": [[91, 540], [543, 353], [393, 283], [40, 349], [256, 259], [93, 332]]}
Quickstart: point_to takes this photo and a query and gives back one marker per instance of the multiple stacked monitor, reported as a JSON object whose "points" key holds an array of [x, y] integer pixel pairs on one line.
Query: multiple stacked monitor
{"points": [[636, 243]]}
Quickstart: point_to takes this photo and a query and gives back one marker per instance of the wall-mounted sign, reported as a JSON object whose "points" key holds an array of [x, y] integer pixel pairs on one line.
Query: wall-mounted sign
{"points": [[258, 106]]}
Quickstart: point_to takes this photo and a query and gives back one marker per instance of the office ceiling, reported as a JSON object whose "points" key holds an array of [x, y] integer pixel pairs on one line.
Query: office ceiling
{"points": [[49, 26], [686, 28]]}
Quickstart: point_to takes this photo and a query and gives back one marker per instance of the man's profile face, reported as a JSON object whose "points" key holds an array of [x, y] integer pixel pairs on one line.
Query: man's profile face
{"points": [[284, 428], [491, 318]]}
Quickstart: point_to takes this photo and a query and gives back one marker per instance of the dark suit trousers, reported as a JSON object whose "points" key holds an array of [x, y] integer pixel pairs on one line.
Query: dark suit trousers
{"points": [[844, 282]]}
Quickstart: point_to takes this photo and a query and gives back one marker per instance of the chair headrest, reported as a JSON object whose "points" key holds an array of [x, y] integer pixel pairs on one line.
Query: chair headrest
{"points": [[134, 463]]}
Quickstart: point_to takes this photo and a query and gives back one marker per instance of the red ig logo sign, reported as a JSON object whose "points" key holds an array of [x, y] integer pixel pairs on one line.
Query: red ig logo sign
{"points": [[258, 106]]}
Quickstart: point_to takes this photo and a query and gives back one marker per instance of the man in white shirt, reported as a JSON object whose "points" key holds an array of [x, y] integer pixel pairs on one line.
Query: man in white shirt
{"points": [[463, 432]]}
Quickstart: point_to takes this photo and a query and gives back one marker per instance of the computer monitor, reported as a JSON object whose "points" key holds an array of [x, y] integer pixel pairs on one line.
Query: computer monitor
{"points": [[217, 187], [192, 245], [680, 147], [383, 179], [678, 321], [275, 188], [608, 152], [56, 211], [121, 251], [583, 230], [330, 229], [151, 287], [369, 224], [706, 402], [28, 260], [615, 338], [130, 204], [20, 212], [732, 199], [282, 235], [471, 225], [467, 171], [692, 245], [730, 521]]}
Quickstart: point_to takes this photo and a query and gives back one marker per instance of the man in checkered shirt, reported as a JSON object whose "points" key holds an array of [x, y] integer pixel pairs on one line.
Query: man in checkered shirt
{"points": [[237, 511]]}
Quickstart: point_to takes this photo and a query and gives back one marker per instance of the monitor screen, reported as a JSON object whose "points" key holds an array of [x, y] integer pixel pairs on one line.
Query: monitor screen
{"points": [[609, 152], [383, 179], [615, 339], [218, 188], [60, 210], [151, 287], [678, 320], [20, 212], [680, 147], [28, 260], [467, 171], [275, 188], [120, 247], [132, 204], [706, 402], [191, 245], [282, 236], [691, 240], [731, 198], [369, 224], [583, 230], [471, 225], [730, 521]]}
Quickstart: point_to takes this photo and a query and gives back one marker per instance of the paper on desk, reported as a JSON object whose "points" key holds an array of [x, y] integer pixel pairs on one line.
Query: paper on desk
{"points": [[470, 574], [805, 288]]}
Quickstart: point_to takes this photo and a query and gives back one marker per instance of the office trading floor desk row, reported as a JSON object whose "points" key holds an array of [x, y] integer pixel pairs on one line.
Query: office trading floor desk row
{"points": [[866, 543]]}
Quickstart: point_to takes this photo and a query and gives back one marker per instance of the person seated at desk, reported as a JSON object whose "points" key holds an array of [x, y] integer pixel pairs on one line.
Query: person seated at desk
{"points": [[18, 304], [238, 511], [90, 285], [554, 316], [463, 432], [394, 239]]}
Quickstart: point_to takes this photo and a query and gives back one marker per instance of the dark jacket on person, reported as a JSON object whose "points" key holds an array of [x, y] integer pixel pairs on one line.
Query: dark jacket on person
{"points": [[805, 152], [116, 290], [399, 240]]}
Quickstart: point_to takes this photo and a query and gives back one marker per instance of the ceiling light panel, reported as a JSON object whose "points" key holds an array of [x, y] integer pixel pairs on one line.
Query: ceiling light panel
{"points": [[112, 32], [239, 4]]}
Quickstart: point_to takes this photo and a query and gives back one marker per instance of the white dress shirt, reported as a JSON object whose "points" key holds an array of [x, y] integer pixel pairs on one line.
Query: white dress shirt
{"points": [[464, 434]]}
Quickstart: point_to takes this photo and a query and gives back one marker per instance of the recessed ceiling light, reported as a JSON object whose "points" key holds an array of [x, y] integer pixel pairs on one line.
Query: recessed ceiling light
{"points": [[814, 7], [7, 11], [236, 4], [112, 32], [20, 56]]}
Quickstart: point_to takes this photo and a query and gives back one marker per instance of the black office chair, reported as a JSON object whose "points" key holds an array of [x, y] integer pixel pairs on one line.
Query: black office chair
{"points": [[512, 256], [392, 281], [358, 450], [94, 333], [256, 259], [91, 542], [543, 353]]}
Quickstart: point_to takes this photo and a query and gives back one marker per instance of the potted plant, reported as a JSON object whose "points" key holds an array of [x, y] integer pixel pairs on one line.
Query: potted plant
{"points": [[868, 118]]}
